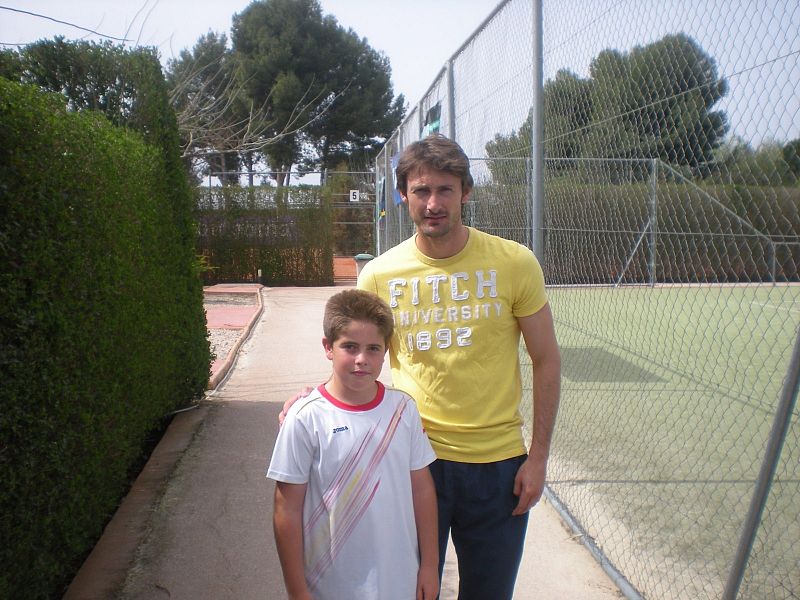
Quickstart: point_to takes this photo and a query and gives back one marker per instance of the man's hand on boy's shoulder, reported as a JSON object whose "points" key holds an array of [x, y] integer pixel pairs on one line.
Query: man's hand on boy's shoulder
{"points": [[288, 404]]}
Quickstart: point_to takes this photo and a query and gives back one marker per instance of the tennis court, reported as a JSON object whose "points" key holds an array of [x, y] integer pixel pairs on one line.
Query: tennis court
{"points": [[668, 399]]}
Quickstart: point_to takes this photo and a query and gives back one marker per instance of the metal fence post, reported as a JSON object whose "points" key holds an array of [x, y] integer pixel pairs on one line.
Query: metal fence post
{"points": [[773, 269], [653, 221], [451, 100], [537, 133], [780, 425]]}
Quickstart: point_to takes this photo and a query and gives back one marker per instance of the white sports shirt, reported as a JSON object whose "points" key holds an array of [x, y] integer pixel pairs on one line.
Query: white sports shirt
{"points": [[359, 533]]}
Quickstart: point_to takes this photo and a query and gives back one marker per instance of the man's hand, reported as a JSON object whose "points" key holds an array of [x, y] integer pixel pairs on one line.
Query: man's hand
{"points": [[529, 484], [286, 405]]}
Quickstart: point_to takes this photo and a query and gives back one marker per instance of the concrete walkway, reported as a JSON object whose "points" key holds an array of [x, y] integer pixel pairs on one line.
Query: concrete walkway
{"points": [[197, 523]]}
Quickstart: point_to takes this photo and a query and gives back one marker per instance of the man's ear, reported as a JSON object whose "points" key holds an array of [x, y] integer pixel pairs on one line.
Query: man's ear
{"points": [[465, 195], [328, 348]]}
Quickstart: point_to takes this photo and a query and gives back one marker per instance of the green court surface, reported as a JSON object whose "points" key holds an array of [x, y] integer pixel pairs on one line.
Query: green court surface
{"points": [[668, 399]]}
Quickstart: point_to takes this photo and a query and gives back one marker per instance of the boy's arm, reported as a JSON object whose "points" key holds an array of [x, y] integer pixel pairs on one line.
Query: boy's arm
{"points": [[287, 521], [425, 516]]}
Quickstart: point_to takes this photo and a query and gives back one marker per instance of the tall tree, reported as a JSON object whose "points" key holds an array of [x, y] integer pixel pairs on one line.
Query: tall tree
{"points": [[656, 102], [653, 102], [210, 107], [89, 75], [314, 78], [365, 111], [791, 154], [10, 65], [285, 48], [567, 112]]}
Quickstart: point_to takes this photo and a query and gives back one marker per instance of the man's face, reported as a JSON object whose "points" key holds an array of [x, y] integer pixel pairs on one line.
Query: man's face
{"points": [[434, 201]]}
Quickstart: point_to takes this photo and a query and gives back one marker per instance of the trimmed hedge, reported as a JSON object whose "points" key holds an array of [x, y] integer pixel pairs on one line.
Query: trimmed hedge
{"points": [[286, 233], [593, 232], [102, 329]]}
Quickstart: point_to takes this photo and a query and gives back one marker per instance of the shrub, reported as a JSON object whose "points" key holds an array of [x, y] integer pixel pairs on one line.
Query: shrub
{"points": [[102, 331]]}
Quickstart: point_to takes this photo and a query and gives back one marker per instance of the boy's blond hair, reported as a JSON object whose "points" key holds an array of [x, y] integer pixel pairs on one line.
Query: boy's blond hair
{"points": [[356, 305]]}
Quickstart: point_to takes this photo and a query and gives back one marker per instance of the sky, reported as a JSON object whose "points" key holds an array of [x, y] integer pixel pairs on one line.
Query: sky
{"points": [[418, 36]]}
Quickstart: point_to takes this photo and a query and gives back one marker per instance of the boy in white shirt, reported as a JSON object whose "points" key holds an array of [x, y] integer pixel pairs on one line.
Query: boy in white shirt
{"points": [[355, 505]]}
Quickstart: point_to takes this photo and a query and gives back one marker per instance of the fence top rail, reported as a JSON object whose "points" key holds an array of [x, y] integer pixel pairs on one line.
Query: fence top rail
{"points": [[217, 173]]}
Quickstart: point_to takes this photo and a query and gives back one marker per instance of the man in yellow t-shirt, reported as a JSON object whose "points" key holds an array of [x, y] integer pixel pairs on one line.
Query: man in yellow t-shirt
{"points": [[455, 348], [461, 298]]}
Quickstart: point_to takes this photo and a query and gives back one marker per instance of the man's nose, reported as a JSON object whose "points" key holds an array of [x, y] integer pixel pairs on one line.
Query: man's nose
{"points": [[434, 202]]}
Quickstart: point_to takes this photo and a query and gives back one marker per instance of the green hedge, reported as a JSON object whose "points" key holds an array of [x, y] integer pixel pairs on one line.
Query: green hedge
{"points": [[594, 233], [102, 330], [285, 233]]}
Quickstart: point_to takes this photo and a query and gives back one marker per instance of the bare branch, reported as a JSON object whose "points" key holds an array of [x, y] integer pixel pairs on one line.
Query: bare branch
{"points": [[205, 100]]}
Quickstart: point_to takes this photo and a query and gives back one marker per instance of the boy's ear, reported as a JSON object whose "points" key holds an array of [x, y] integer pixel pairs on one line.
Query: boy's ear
{"points": [[328, 348]]}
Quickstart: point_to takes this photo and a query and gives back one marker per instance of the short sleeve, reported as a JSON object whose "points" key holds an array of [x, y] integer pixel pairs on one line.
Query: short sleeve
{"points": [[529, 293], [421, 451], [293, 452], [366, 280]]}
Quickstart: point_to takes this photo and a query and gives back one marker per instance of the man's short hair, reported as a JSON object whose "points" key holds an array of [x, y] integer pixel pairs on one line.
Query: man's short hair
{"points": [[434, 152], [356, 305]]}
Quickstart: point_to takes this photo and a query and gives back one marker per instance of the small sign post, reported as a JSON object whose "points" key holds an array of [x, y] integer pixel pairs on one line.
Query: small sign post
{"points": [[353, 195]]}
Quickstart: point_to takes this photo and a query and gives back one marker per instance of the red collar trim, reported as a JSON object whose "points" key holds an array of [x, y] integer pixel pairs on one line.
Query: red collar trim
{"points": [[355, 407]]}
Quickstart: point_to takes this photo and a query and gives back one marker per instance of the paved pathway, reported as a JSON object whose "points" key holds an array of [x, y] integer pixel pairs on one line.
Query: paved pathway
{"points": [[202, 529]]}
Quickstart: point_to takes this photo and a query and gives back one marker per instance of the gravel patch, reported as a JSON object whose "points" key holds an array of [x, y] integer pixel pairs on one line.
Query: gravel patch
{"points": [[223, 340], [238, 299]]}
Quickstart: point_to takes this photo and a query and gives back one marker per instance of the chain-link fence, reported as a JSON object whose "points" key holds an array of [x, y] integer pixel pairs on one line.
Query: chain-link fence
{"points": [[350, 194], [662, 198]]}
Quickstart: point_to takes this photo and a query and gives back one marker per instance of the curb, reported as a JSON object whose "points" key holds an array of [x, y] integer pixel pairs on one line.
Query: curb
{"points": [[103, 573], [218, 377]]}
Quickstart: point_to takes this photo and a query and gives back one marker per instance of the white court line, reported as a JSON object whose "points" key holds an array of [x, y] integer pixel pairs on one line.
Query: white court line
{"points": [[778, 307]]}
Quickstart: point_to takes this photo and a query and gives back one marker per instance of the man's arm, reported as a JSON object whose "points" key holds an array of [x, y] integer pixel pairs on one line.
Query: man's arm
{"points": [[287, 521], [540, 340], [425, 516]]}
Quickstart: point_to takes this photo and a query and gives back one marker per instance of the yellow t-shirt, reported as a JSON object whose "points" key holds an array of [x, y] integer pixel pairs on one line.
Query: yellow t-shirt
{"points": [[456, 339]]}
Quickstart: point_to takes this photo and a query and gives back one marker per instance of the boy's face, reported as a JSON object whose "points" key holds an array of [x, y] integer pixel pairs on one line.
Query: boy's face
{"points": [[357, 356]]}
